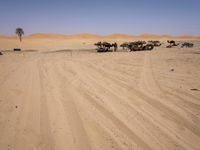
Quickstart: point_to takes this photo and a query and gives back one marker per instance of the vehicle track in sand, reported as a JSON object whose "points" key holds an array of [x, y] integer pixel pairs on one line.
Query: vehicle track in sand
{"points": [[89, 101]]}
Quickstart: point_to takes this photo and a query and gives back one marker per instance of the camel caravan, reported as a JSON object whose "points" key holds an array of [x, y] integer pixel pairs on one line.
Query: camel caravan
{"points": [[174, 44], [138, 45], [187, 45], [131, 46], [105, 46], [134, 46]]}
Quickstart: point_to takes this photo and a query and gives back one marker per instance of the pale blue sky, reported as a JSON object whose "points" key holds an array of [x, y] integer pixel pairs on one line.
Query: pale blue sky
{"points": [[176, 17]]}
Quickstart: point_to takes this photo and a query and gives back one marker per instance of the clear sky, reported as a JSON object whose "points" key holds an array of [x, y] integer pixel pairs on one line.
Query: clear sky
{"points": [[176, 17]]}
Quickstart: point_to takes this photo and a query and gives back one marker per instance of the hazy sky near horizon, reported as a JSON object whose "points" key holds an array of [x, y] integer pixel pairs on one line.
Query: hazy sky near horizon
{"points": [[176, 17]]}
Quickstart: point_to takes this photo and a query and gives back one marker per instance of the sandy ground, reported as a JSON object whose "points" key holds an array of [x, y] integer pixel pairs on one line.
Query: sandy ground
{"points": [[82, 100], [49, 42]]}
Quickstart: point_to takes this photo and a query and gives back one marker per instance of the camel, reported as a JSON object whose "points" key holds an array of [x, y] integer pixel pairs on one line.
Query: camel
{"points": [[172, 43], [133, 45], [98, 44], [124, 45], [105, 46], [187, 45], [155, 43], [148, 47], [139, 45]]}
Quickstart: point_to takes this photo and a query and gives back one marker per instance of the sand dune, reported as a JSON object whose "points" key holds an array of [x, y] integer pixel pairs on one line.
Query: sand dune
{"points": [[60, 36], [82, 100], [93, 36], [119, 36], [149, 36]]}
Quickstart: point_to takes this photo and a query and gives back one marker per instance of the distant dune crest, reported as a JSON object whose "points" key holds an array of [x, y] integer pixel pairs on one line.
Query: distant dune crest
{"points": [[93, 36]]}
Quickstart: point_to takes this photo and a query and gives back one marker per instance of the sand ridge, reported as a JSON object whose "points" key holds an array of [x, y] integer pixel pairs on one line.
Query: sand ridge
{"points": [[94, 36]]}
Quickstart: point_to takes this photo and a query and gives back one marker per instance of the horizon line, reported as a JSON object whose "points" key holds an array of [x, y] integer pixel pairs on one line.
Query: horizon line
{"points": [[105, 35]]}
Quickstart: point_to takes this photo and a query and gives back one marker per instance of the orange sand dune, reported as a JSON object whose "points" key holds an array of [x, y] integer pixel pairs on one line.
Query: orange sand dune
{"points": [[85, 36], [119, 36], [8, 37], [154, 36], [149, 36], [93, 36], [188, 37], [60, 36], [40, 35], [113, 36]]}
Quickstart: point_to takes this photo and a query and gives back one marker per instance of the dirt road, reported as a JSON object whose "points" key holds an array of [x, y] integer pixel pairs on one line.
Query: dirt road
{"points": [[88, 101]]}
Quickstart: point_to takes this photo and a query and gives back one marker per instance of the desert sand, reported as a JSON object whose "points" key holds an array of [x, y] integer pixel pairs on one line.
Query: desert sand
{"points": [[59, 94], [50, 42]]}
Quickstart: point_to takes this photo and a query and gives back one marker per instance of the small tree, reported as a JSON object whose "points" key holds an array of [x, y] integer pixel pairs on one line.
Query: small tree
{"points": [[19, 32]]}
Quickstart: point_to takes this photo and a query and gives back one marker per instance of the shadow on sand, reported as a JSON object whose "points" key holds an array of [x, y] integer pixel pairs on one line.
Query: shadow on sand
{"points": [[22, 51], [71, 51]]}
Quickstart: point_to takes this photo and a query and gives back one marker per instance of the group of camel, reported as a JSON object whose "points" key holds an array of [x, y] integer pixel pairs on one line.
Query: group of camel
{"points": [[134, 46], [131, 46], [105, 46], [172, 43], [139, 45], [185, 44]]}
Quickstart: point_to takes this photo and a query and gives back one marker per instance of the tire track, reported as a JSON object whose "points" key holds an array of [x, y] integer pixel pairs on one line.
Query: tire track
{"points": [[172, 116], [47, 141], [80, 137], [118, 123], [116, 98]]}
